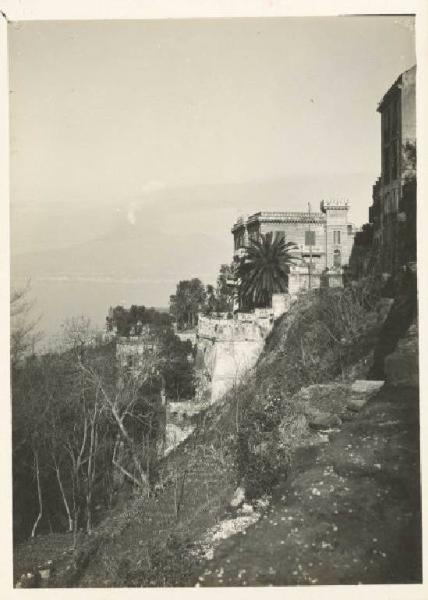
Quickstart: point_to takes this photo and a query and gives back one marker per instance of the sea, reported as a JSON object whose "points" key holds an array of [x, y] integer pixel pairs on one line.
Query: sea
{"points": [[55, 300]]}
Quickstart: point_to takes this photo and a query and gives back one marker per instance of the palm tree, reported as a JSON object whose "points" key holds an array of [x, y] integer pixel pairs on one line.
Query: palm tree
{"points": [[264, 270]]}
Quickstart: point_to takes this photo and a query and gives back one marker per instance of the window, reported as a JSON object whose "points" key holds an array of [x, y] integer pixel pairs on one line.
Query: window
{"points": [[390, 141], [280, 235], [386, 164], [394, 160], [385, 124], [309, 238], [239, 241], [394, 118], [336, 237]]}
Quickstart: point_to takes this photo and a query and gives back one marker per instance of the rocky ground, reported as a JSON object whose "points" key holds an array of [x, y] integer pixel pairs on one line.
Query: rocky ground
{"points": [[349, 512]]}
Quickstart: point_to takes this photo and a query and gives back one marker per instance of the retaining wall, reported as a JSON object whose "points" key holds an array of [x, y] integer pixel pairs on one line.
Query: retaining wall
{"points": [[227, 349]]}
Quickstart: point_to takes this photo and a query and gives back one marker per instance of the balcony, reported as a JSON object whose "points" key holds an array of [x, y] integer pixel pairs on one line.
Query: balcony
{"points": [[307, 249]]}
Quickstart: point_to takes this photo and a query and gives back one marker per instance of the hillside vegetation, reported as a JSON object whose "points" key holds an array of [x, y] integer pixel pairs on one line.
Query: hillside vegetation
{"points": [[251, 440]]}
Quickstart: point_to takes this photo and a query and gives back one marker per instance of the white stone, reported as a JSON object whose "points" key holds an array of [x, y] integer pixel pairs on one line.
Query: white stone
{"points": [[238, 497], [175, 435], [247, 509], [366, 386], [280, 304], [45, 573]]}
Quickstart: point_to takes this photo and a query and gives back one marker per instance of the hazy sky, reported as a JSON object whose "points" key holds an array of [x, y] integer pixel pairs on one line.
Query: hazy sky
{"points": [[117, 114], [107, 110]]}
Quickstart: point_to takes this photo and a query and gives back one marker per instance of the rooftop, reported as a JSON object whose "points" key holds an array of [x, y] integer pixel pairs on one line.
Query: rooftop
{"points": [[395, 87], [280, 217]]}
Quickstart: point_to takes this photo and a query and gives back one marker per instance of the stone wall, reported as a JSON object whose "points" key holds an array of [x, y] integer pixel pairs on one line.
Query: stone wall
{"points": [[187, 336], [402, 365], [280, 304], [298, 280], [227, 349], [131, 351], [244, 327]]}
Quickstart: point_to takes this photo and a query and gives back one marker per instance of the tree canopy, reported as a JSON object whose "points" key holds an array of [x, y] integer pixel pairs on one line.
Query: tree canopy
{"points": [[224, 293], [131, 321], [188, 300]]}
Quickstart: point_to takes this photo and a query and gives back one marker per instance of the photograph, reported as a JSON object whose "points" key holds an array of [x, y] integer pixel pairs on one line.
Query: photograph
{"points": [[214, 364]]}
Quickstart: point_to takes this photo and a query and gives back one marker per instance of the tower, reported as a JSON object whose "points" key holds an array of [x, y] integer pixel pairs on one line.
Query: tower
{"points": [[338, 234]]}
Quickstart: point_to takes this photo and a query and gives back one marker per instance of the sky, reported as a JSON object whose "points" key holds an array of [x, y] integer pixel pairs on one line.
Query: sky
{"points": [[136, 120]]}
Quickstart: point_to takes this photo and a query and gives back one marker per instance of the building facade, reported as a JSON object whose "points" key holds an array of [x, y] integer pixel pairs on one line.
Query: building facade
{"points": [[398, 136], [323, 239], [392, 215]]}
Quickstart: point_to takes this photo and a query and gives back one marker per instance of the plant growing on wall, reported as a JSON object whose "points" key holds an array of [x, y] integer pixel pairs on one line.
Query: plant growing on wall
{"points": [[224, 291], [264, 270], [407, 225]]}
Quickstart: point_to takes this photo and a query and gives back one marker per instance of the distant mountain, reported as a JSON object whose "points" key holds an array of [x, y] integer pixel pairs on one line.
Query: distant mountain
{"points": [[123, 255], [165, 236], [84, 257]]}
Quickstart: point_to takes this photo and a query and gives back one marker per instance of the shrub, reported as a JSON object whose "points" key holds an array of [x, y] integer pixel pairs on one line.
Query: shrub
{"points": [[324, 333], [260, 454], [168, 563]]}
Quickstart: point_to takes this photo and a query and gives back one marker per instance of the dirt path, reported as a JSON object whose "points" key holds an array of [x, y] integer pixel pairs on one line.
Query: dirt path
{"points": [[349, 512]]}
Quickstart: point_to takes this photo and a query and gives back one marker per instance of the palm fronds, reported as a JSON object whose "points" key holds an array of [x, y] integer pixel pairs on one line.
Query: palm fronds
{"points": [[264, 270]]}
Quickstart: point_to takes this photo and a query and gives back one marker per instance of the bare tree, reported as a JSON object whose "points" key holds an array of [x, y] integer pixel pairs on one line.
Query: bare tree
{"points": [[79, 333], [63, 493], [23, 326], [119, 397], [179, 481], [39, 493]]}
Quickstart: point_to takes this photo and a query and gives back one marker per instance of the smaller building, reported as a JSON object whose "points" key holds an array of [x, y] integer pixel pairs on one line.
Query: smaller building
{"points": [[323, 241], [133, 351], [306, 230]]}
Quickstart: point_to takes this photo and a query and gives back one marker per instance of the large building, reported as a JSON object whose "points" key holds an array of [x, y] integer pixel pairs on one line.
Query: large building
{"points": [[323, 239], [398, 139], [392, 216]]}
